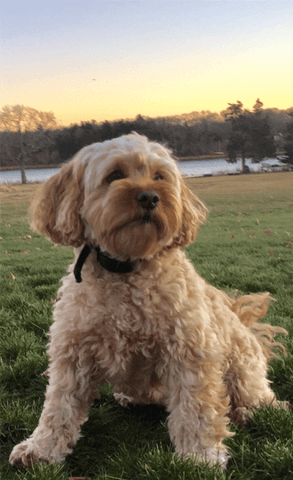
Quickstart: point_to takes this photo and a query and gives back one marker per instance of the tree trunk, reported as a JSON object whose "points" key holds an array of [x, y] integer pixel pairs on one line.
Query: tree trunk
{"points": [[243, 163], [245, 168], [22, 159], [21, 162], [23, 176]]}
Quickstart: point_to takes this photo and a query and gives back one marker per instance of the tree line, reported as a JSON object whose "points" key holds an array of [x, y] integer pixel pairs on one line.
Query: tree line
{"points": [[29, 137]]}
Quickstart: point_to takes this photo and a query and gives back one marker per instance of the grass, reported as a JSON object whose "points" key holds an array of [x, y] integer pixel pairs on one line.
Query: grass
{"points": [[246, 244]]}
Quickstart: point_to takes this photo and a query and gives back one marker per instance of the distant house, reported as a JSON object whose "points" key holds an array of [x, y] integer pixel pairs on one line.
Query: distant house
{"points": [[271, 164]]}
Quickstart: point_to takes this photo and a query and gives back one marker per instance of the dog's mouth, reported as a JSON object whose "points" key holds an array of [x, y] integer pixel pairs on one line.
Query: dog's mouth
{"points": [[143, 219]]}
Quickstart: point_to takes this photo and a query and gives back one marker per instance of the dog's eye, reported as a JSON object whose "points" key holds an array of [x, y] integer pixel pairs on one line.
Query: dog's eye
{"points": [[158, 176], [116, 175]]}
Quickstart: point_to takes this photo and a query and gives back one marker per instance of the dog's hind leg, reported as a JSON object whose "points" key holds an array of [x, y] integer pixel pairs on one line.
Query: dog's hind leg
{"points": [[246, 379], [198, 407]]}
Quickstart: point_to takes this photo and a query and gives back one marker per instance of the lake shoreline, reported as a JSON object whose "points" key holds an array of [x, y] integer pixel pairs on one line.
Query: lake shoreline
{"points": [[201, 158], [190, 168]]}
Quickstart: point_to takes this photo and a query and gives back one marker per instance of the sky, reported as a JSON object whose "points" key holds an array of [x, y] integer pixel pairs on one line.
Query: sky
{"points": [[109, 60]]}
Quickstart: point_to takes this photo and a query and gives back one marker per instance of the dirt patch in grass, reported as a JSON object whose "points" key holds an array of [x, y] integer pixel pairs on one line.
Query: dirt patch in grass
{"points": [[17, 193], [245, 193], [14, 202], [241, 183]]}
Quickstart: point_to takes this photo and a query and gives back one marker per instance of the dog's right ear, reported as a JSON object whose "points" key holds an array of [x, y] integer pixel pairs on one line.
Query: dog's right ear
{"points": [[193, 215], [56, 207]]}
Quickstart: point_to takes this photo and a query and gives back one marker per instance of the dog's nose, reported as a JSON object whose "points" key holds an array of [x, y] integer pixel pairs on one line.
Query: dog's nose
{"points": [[148, 199]]}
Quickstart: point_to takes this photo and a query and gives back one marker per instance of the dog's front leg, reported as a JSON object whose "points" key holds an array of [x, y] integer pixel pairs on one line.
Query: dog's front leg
{"points": [[198, 408], [68, 397]]}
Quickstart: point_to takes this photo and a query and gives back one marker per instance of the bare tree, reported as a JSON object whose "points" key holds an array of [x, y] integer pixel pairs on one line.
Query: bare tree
{"points": [[22, 119]]}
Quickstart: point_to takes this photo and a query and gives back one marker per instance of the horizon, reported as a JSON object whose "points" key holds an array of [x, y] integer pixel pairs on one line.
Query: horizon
{"points": [[114, 60], [161, 116], [205, 113]]}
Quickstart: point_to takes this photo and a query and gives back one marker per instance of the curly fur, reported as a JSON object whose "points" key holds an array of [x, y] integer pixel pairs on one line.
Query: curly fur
{"points": [[160, 333]]}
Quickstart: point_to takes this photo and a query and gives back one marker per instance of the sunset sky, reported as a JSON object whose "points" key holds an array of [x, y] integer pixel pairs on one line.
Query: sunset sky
{"points": [[105, 60]]}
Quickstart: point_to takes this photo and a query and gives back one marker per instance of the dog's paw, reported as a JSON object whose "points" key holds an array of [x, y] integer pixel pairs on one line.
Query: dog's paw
{"points": [[25, 455], [241, 416], [123, 399], [211, 456], [217, 456], [284, 404]]}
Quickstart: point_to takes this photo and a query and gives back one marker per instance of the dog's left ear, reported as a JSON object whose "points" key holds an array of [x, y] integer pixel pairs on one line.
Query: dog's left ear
{"points": [[194, 213]]}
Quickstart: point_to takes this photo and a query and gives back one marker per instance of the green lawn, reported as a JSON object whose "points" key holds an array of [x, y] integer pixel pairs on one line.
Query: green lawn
{"points": [[246, 244]]}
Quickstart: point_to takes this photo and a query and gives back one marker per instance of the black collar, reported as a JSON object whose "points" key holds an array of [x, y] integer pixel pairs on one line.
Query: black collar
{"points": [[105, 260]]}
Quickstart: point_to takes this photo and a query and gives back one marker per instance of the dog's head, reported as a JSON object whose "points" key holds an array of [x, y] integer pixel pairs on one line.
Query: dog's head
{"points": [[125, 195]]}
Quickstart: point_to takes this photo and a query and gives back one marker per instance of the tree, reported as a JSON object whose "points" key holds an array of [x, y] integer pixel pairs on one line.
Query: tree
{"points": [[239, 136], [262, 139], [257, 107], [289, 141], [250, 134], [21, 119], [234, 111], [18, 118]]}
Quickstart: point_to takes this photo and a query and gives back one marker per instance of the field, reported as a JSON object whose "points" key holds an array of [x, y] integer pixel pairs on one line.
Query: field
{"points": [[246, 244]]}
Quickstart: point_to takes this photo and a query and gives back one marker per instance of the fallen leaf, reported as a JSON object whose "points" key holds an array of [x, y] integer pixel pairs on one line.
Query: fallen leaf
{"points": [[257, 221], [12, 276], [25, 252], [232, 235], [76, 478], [288, 233], [289, 244], [268, 232], [271, 254]]}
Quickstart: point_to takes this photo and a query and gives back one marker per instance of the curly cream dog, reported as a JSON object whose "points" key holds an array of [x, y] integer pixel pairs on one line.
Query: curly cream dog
{"points": [[133, 311]]}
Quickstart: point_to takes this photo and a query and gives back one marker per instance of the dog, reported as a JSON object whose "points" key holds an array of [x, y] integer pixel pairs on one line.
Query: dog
{"points": [[133, 311]]}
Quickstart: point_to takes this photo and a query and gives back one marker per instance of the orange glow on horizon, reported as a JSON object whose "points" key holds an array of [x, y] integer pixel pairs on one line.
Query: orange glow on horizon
{"points": [[128, 61]]}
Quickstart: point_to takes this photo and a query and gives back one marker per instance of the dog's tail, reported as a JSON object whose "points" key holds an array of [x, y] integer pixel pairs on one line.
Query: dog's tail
{"points": [[249, 308]]}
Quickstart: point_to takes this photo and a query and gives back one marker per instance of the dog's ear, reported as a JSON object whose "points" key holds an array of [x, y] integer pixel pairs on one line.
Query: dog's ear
{"points": [[194, 213], [56, 207]]}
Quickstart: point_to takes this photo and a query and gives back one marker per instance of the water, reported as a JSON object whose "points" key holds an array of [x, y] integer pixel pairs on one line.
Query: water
{"points": [[33, 175], [212, 167], [204, 167]]}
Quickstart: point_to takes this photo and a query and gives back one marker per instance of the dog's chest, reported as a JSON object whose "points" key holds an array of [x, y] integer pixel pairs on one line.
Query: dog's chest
{"points": [[128, 329], [135, 311], [128, 318]]}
